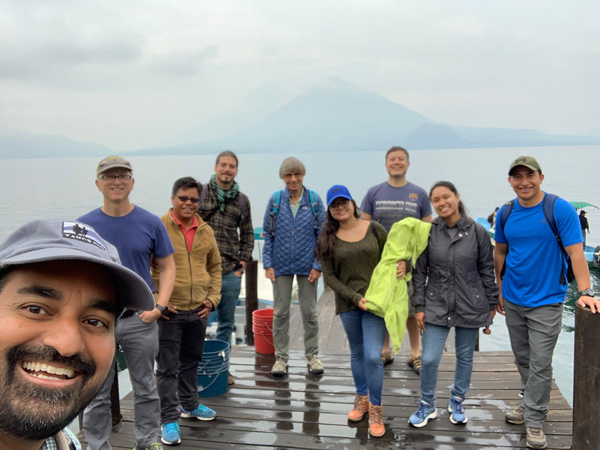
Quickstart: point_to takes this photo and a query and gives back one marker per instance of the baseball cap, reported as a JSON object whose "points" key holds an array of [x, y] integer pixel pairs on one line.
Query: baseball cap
{"points": [[113, 162], [55, 240], [526, 161], [337, 191]]}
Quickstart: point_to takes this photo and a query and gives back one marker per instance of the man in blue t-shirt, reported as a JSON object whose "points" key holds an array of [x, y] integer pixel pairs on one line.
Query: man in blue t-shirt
{"points": [[388, 203], [139, 237], [532, 298]]}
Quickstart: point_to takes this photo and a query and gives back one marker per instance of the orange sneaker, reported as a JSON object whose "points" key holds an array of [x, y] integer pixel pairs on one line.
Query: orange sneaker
{"points": [[361, 407]]}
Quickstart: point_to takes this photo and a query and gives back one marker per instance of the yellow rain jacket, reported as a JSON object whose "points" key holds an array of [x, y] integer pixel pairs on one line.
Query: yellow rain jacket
{"points": [[387, 295]]}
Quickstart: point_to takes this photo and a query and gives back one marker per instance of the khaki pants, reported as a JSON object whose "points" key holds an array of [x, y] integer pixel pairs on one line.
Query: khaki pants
{"points": [[282, 295]]}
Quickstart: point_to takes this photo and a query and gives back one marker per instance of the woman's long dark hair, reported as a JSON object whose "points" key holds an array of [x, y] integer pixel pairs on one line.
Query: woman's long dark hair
{"points": [[461, 206], [326, 243]]}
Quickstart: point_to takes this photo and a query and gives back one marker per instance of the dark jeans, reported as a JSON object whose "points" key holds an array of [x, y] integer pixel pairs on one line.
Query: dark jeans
{"points": [[180, 346]]}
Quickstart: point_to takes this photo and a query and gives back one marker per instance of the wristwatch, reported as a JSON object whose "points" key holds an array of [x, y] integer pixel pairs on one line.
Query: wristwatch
{"points": [[161, 308], [587, 292]]}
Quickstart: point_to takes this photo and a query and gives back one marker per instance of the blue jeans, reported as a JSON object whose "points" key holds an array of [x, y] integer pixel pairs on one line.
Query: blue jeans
{"points": [[434, 339], [366, 333], [230, 294]]}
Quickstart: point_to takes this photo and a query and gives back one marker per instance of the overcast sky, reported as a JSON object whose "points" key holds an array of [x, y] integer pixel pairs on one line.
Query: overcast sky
{"points": [[133, 73]]}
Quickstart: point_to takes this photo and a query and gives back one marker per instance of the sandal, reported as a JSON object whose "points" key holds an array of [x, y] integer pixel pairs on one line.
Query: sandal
{"points": [[415, 363], [387, 357]]}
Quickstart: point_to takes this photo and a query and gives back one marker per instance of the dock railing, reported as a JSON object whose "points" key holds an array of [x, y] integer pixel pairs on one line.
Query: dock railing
{"points": [[586, 381]]}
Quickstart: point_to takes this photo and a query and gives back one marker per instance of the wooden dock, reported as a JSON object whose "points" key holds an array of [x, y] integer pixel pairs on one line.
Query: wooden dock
{"points": [[303, 411]]}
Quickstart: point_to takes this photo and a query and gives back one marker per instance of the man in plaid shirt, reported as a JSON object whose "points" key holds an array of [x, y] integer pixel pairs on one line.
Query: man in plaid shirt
{"points": [[227, 211]]}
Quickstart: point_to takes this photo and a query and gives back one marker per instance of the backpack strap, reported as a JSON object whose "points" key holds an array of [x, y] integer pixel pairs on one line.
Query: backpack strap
{"points": [[243, 205], [275, 205], [505, 213], [548, 207], [314, 206]]}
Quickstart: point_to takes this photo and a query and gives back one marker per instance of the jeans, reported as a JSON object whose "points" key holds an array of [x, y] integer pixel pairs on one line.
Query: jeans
{"points": [[366, 333], [181, 342], [533, 334], [434, 339], [139, 341], [282, 296], [230, 293]]}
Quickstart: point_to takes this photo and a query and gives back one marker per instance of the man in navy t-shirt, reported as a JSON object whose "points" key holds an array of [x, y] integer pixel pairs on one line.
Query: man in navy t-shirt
{"points": [[534, 287], [139, 237], [388, 203]]}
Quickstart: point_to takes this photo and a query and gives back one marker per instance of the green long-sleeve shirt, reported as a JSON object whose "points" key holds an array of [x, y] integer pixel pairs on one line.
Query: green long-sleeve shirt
{"points": [[348, 273]]}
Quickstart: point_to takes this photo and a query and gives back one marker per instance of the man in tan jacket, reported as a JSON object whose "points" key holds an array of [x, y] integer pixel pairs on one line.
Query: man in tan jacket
{"points": [[182, 328]]}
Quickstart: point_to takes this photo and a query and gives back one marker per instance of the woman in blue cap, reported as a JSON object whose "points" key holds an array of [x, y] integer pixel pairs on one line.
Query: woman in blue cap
{"points": [[350, 248]]}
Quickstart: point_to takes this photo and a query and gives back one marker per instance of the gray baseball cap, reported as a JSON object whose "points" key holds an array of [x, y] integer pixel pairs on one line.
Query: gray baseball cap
{"points": [[55, 240], [113, 162]]}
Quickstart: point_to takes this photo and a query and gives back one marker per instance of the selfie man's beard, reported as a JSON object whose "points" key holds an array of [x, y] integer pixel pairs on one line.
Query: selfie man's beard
{"points": [[33, 412]]}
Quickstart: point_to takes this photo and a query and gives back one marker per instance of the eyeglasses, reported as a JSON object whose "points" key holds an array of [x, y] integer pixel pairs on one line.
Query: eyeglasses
{"points": [[343, 203], [288, 176], [114, 177], [191, 199]]}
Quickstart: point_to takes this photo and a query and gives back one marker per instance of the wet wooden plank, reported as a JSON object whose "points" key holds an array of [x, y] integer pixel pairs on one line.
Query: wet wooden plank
{"points": [[303, 411]]}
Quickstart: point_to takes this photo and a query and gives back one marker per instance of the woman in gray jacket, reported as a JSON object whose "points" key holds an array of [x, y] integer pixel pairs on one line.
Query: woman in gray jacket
{"points": [[454, 286]]}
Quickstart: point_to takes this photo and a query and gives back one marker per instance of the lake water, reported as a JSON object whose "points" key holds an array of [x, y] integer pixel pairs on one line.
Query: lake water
{"points": [[64, 188]]}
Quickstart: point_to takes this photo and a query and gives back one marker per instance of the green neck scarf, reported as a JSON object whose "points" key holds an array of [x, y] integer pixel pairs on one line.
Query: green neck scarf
{"points": [[224, 196]]}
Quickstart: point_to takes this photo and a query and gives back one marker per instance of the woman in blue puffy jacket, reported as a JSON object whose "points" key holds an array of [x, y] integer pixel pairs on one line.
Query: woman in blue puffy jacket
{"points": [[292, 224]]}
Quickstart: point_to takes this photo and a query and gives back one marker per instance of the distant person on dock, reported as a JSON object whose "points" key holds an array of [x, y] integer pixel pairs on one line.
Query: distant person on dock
{"points": [[140, 237], [292, 224], [388, 203], [227, 210], [182, 328], [534, 285], [585, 226], [455, 286], [60, 293], [492, 218], [350, 249]]}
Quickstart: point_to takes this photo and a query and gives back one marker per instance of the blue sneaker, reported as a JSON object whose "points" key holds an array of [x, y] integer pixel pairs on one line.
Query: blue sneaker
{"points": [[171, 434], [425, 412], [200, 413], [456, 410]]}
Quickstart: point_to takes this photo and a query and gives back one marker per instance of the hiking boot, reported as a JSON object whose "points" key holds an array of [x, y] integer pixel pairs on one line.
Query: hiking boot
{"points": [[425, 412], [415, 363], [456, 410], [376, 428], [201, 413], [536, 438], [516, 416], [155, 446], [387, 356], [170, 433], [315, 366], [230, 379], [361, 407], [280, 368]]}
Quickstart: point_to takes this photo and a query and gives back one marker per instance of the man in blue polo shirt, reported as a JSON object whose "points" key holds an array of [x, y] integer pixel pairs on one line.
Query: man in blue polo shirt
{"points": [[531, 297], [141, 239]]}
